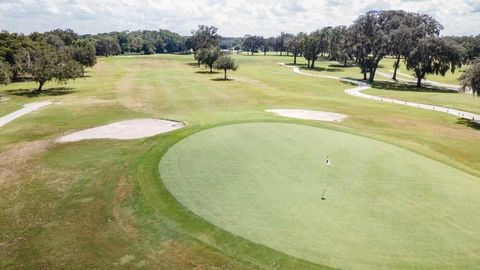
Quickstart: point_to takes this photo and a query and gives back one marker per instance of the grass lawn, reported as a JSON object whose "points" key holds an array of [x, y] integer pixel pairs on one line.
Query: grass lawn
{"points": [[264, 182], [102, 204]]}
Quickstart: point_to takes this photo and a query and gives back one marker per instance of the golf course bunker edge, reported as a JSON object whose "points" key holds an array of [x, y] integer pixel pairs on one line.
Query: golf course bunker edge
{"points": [[385, 207], [309, 114], [124, 130]]}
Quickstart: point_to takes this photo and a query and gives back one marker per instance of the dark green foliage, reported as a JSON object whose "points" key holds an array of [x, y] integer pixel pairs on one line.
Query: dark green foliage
{"points": [[208, 56], [107, 47], [252, 43], [433, 55], [225, 63], [43, 63], [204, 37], [471, 78], [5, 72], [84, 52]]}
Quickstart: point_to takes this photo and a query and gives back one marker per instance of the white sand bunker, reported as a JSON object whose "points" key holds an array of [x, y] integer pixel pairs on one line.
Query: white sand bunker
{"points": [[124, 130], [310, 115]]}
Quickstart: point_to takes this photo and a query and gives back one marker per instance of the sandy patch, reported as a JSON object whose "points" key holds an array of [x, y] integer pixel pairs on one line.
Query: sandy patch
{"points": [[4, 99], [124, 130], [27, 108], [310, 115]]}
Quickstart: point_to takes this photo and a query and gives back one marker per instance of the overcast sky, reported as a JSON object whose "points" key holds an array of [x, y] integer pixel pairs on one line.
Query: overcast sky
{"points": [[232, 17]]}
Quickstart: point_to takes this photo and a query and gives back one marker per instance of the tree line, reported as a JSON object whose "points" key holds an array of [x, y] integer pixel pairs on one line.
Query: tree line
{"points": [[413, 37], [409, 37], [59, 55]]}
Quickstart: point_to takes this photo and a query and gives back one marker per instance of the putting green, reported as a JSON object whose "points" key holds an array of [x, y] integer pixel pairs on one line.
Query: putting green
{"points": [[386, 207]]}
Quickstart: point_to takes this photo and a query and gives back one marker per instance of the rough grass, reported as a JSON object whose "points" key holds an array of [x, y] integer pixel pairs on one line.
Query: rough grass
{"points": [[100, 204]]}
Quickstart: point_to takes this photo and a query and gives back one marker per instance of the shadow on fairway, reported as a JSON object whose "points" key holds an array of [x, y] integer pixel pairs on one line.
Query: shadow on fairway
{"points": [[192, 64], [206, 72], [409, 87], [321, 69], [222, 80], [55, 91], [468, 123]]}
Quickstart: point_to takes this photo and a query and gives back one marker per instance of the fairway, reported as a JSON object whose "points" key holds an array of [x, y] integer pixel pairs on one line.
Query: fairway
{"points": [[386, 207]]}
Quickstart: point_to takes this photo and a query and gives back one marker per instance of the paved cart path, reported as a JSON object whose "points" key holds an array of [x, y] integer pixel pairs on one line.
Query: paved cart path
{"points": [[357, 91]]}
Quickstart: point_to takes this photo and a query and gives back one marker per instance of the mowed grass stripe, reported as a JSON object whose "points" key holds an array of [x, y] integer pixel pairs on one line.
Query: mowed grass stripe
{"points": [[386, 207]]}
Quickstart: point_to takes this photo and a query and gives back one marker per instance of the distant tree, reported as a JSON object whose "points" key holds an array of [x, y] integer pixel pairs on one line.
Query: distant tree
{"points": [[5, 72], [268, 45], [148, 46], [339, 49], [471, 45], [296, 46], [68, 36], [225, 63], [433, 55], [204, 37], [208, 56], [107, 46], [84, 52], [252, 43], [470, 79], [312, 47], [45, 63], [10, 45]]}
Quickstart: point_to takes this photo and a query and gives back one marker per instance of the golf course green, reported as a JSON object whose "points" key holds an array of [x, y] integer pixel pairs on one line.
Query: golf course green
{"points": [[386, 207]]}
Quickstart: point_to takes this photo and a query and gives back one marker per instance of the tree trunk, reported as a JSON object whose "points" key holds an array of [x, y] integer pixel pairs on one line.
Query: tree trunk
{"points": [[211, 69], [225, 74], [313, 64], [40, 86], [345, 63], [397, 63], [364, 75], [252, 52], [308, 64], [264, 52], [373, 71], [419, 82], [295, 59]]}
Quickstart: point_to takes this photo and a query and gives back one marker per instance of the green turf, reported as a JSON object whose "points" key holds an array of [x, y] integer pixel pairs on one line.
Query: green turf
{"points": [[386, 207], [101, 204]]}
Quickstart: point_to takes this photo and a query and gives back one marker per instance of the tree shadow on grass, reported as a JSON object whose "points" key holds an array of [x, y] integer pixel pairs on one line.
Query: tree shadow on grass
{"points": [[320, 69], [222, 80], [206, 72], [55, 91], [192, 64], [468, 123], [410, 87]]}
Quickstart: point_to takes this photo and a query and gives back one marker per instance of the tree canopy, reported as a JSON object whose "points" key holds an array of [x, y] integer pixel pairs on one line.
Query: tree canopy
{"points": [[433, 55], [5, 72], [225, 63], [43, 63], [470, 79]]}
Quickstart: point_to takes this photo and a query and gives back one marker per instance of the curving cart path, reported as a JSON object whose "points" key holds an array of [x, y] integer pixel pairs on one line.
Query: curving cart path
{"points": [[357, 91], [27, 108]]}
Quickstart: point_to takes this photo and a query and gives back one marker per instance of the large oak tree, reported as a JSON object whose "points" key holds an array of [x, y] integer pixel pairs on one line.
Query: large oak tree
{"points": [[44, 63], [433, 55]]}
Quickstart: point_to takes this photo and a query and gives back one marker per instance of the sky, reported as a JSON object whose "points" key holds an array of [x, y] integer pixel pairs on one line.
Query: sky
{"points": [[232, 17]]}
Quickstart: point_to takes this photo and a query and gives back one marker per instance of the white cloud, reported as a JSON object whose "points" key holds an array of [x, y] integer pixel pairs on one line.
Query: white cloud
{"points": [[232, 17]]}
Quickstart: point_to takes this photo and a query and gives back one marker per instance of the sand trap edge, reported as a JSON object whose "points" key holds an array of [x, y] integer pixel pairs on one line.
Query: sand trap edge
{"points": [[124, 130], [309, 115]]}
